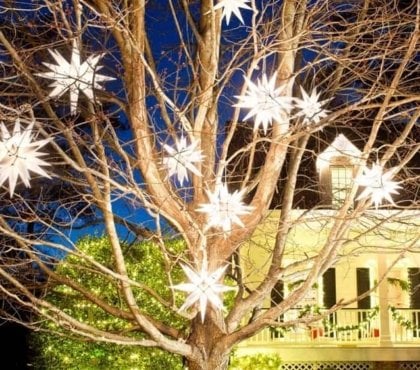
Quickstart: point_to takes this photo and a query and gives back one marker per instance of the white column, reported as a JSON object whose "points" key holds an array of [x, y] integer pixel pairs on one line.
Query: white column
{"points": [[385, 334]]}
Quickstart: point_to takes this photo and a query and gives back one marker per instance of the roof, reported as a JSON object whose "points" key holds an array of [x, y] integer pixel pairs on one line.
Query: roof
{"points": [[341, 146]]}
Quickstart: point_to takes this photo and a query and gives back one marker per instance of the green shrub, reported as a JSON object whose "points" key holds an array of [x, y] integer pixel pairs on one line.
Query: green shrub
{"points": [[145, 264], [260, 362]]}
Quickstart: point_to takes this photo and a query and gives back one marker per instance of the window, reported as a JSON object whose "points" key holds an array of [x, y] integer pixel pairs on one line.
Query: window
{"points": [[329, 299], [414, 279], [363, 285], [329, 286], [341, 183], [277, 296]]}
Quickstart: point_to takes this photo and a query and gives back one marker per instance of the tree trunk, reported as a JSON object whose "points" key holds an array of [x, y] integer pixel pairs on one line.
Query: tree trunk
{"points": [[212, 363], [208, 338]]}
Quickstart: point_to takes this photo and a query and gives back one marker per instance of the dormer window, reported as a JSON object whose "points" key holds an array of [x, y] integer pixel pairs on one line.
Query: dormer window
{"points": [[336, 166], [341, 183]]}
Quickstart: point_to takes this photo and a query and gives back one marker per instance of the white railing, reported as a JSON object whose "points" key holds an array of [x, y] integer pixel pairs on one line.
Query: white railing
{"points": [[405, 325], [345, 325]]}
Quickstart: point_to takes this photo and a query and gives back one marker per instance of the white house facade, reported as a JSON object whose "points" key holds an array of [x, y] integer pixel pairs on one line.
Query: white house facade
{"points": [[379, 262]]}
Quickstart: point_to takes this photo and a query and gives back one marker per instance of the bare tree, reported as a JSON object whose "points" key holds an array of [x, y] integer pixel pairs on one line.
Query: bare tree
{"points": [[182, 75]]}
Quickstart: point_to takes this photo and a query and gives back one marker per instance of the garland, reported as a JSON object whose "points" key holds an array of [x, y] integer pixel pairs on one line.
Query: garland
{"points": [[316, 310], [313, 309], [308, 309], [364, 324], [401, 320]]}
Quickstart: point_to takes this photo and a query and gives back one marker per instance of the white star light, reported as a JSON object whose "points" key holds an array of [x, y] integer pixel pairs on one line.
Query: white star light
{"points": [[74, 76], [378, 185], [203, 287], [232, 7], [182, 158], [310, 107], [224, 208], [265, 102], [19, 154]]}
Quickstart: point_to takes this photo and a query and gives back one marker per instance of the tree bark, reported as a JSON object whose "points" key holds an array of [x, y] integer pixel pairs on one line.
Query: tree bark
{"points": [[208, 338], [215, 362]]}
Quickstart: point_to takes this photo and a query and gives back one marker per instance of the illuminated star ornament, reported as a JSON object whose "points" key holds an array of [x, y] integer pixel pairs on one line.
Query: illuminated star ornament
{"points": [[19, 154], [265, 101], [203, 288], [232, 7], [74, 76], [182, 158], [310, 107], [378, 185], [224, 208]]}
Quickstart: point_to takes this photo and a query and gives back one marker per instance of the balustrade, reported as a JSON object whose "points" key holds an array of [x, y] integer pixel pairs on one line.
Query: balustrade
{"points": [[347, 326]]}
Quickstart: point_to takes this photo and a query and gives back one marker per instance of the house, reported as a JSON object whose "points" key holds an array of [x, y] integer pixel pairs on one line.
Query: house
{"points": [[379, 331]]}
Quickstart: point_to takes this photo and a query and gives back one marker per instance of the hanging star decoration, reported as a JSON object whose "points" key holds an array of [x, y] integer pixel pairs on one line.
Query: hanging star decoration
{"points": [[310, 107], [230, 7], [19, 154], [182, 159], [224, 208], [265, 101], [74, 76], [378, 185], [203, 288]]}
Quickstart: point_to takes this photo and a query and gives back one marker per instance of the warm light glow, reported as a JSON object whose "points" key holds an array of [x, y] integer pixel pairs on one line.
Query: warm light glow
{"points": [[224, 208], [232, 7], [266, 102], [203, 287], [182, 158], [74, 76], [19, 154]]}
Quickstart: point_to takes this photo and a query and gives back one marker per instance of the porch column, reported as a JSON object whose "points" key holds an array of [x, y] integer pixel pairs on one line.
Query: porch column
{"points": [[385, 334]]}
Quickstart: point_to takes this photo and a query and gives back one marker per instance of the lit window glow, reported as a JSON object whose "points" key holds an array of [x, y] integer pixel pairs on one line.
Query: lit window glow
{"points": [[341, 183]]}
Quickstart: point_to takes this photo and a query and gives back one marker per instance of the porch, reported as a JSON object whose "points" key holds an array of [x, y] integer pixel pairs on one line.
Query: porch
{"points": [[355, 335]]}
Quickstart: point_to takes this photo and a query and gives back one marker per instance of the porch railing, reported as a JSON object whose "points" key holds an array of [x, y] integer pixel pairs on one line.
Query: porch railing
{"points": [[405, 325], [346, 326]]}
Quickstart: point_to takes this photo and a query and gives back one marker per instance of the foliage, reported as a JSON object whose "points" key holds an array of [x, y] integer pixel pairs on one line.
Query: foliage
{"points": [[404, 285], [403, 321], [145, 264], [260, 362], [362, 324], [67, 354]]}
